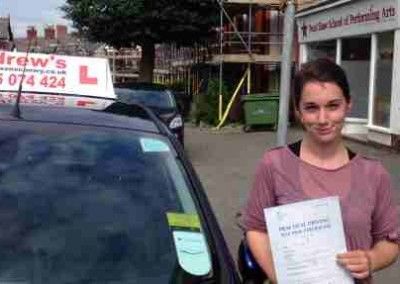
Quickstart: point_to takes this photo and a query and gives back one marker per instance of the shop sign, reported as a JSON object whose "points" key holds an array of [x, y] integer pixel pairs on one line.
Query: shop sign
{"points": [[360, 17]]}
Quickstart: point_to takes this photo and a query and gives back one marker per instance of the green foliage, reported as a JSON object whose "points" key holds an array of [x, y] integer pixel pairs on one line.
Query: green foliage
{"points": [[124, 22], [207, 104]]}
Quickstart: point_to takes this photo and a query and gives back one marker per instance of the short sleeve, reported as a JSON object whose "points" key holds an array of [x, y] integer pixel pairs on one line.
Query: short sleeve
{"points": [[260, 197], [385, 222]]}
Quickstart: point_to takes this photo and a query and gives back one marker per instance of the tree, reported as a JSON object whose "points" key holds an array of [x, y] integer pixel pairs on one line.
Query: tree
{"points": [[122, 23]]}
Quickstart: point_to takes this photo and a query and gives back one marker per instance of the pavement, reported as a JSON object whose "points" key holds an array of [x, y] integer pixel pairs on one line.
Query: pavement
{"points": [[225, 161]]}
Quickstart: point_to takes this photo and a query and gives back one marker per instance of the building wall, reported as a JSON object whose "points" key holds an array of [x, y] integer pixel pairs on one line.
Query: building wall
{"points": [[5, 45]]}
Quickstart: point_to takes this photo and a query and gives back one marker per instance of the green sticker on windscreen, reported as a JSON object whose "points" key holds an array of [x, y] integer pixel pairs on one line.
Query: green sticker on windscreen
{"points": [[182, 220], [191, 249], [153, 145]]}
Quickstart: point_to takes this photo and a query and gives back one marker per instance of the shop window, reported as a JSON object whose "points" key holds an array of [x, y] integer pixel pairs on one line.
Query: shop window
{"points": [[356, 54], [322, 49], [383, 80]]}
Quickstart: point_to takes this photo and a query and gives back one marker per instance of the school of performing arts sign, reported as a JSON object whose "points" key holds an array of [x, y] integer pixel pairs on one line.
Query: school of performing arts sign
{"points": [[360, 17]]}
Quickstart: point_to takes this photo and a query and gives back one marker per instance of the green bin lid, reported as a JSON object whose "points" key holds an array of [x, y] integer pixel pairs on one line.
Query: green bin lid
{"points": [[260, 97]]}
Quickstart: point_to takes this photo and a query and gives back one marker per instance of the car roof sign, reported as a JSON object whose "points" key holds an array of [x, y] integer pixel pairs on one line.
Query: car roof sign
{"points": [[56, 74]]}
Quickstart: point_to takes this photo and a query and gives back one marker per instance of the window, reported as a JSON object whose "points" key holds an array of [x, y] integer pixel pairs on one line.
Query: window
{"points": [[323, 49], [356, 53], [383, 80], [151, 98]]}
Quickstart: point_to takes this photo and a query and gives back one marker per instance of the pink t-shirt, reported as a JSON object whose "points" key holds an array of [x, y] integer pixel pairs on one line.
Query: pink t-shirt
{"points": [[367, 200]]}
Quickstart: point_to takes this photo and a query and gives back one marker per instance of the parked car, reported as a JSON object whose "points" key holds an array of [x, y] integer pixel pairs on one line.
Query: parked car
{"points": [[89, 196], [184, 101], [156, 97]]}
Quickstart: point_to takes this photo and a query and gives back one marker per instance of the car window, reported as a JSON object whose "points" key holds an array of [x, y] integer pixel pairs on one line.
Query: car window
{"points": [[91, 205], [150, 98]]}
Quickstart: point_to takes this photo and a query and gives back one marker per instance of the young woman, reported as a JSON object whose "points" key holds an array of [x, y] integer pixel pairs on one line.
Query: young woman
{"points": [[320, 165]]}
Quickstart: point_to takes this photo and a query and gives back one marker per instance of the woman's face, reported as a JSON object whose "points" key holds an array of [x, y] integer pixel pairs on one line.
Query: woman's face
{"points": [[322, 110]]}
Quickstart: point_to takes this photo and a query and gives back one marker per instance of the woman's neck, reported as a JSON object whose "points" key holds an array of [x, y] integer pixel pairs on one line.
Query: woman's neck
{"points": [[326, 155]]}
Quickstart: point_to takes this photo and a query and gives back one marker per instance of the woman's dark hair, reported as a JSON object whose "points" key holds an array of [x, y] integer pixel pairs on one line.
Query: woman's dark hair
{"points": [[320, 70]]}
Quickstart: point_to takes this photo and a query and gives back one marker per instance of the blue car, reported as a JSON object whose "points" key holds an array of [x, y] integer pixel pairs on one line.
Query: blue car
{"points": [[102, 196]]}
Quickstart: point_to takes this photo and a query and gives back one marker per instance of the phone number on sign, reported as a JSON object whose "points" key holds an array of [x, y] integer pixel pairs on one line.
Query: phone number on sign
{"points": [[47, 81]]}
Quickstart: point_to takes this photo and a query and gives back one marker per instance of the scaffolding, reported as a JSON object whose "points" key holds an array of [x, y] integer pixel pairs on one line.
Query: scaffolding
{"points": [[124, 62], [257, 46]]}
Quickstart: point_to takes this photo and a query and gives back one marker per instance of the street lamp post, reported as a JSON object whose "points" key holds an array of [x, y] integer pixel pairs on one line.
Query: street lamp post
{"points": [[286, 67]]}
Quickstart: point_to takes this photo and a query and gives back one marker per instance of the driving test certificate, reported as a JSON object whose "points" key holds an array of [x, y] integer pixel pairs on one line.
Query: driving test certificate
{"points": [[305, 239]]}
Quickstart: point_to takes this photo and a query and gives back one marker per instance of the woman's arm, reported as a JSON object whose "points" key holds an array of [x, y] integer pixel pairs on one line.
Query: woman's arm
{"points": [[383, 254], [362, 263], [260, 247]]}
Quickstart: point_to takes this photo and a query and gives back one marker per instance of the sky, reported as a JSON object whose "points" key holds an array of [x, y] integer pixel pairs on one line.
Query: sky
{"points": [[37, 13]]}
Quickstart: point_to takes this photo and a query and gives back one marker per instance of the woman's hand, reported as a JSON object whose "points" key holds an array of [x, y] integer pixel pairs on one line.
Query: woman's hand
{"points": [[357, 262]]}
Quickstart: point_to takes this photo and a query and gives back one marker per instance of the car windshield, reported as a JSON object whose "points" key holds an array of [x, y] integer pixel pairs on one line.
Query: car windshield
{"points": [[96, 205], [151, 98]]}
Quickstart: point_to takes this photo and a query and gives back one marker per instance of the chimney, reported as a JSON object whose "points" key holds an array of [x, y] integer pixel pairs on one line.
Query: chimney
{"points": [[49, 33], [31, 33], [61, 32]]}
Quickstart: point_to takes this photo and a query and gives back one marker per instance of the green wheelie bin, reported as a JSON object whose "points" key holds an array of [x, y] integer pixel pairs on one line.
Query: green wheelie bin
{"points": [[261, 109]]}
